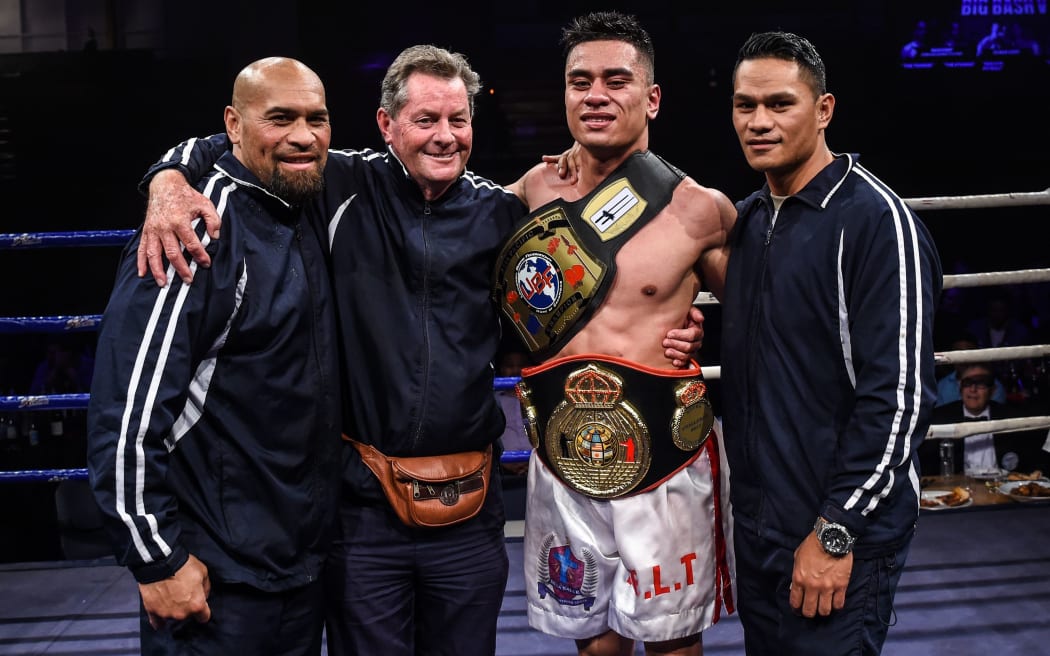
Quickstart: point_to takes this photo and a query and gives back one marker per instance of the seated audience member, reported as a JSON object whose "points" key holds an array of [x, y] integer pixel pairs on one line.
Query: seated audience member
{"points": [[999, 325], [62, 371], [948, 385], [984, 452]]}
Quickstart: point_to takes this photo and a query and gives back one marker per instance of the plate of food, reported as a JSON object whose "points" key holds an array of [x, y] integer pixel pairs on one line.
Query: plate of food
{"points": [[1027, 491], [989, 475], [957, 497], [1036, 475]]}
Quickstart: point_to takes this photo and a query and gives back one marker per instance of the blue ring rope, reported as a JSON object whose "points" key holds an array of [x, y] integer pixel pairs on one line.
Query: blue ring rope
{"points": [[56, 324], [25, 240]]}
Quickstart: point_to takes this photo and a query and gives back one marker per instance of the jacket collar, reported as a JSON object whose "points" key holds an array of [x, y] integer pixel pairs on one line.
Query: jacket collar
{"points": [[232, 168], [823, 187], [399, 166]]}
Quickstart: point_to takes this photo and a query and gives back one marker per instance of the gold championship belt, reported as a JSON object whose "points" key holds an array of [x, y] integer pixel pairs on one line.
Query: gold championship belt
{"points": [[556, 268], [608, 427]]}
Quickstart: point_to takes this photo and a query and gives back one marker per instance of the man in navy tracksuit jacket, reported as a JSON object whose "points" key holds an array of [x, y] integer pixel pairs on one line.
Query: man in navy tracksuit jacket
{"points": [[214, 446], [827, 369]]}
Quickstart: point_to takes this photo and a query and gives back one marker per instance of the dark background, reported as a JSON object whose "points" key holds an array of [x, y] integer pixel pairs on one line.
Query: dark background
{"points": [[79, 126], [83, 126]]}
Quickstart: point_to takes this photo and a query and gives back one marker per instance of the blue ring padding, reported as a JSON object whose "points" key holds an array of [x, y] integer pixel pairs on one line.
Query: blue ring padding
{"points": [[56, 324], [505, 383], [22, 240], [515, 456]]}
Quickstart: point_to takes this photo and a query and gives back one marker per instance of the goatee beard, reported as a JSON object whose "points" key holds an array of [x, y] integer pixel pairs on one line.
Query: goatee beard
{"points": [[297, 186]]}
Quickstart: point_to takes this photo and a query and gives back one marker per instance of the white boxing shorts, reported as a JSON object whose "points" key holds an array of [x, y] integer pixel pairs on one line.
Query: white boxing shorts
{"points": [[653, 566]]}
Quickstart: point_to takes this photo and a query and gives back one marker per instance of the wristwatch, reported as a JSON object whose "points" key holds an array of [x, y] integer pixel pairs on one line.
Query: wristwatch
{"points": [[835, 538]]}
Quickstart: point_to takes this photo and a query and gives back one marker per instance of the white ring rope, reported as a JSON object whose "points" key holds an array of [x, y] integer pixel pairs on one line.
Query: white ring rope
{"points": [[988, 278], [996, 278], [992, 354], [967, 428], [980, 201]]}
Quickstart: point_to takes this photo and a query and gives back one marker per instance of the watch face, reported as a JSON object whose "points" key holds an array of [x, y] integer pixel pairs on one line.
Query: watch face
{"points": [[835, 540]]}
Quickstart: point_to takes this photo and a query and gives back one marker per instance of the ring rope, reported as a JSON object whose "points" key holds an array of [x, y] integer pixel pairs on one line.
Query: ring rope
{"points": [[44, 402], [967, 428], [43, 475], [992, 354], [23, 240], [56, 324], [996, 278], [980, 201]]}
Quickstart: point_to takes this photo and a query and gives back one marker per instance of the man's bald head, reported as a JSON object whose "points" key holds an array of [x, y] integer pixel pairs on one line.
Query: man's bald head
{"points": [[254, 78], [278, 124]]}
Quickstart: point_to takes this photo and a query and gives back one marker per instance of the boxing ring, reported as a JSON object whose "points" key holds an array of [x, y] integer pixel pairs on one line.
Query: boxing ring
{"points": [[118, 238], [951, 598]]}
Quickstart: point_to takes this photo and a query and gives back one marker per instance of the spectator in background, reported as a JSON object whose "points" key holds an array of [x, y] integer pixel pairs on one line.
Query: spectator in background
{"points": [[948, 385], [62, 371], [985, 453], [999, 326]]}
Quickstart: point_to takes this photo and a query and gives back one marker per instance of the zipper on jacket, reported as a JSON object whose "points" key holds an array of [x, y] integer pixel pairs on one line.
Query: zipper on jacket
{"points": [[772, 223], [750, 443], [424, 316], [320, 423]]}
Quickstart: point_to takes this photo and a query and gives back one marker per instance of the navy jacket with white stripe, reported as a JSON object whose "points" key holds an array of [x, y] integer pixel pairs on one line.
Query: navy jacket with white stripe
{"points": [[214, 411], [827, 359]]}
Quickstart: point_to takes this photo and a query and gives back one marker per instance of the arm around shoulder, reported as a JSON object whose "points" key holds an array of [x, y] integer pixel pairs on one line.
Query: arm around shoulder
{"points": [[173, 206]]}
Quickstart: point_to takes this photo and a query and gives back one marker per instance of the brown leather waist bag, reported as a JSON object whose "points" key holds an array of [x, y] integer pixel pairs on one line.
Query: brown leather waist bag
{"points": [[431, 491]]}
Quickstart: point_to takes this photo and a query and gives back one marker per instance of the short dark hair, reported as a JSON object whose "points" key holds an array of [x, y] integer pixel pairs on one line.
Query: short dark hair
{"points": [[789, 47], [610, 26]]}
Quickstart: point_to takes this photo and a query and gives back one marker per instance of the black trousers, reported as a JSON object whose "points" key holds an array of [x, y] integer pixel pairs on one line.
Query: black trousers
{"points": [[400, 591], [244, 620], [773, 628]]}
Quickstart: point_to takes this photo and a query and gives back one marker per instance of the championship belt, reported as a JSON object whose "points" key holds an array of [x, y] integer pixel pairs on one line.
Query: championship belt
{"points": [[608, 427], [555, 269]]}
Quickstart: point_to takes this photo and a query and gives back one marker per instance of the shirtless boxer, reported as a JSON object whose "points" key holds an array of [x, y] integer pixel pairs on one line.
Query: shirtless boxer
{"points": [[627, 527]]}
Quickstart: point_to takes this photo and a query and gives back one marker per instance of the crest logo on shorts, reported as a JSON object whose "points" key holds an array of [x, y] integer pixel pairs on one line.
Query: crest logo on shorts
{"points": [[570, 580], [538, 281]]}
